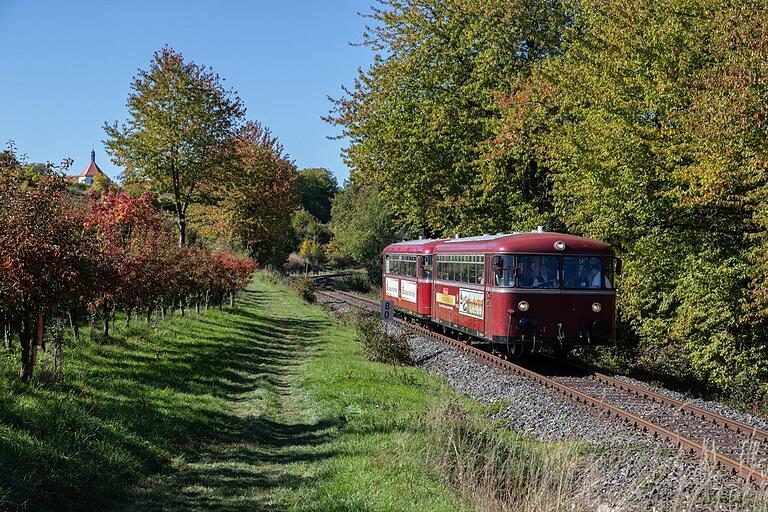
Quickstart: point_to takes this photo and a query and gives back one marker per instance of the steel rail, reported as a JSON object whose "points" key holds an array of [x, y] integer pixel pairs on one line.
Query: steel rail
{"points": [[737, 426], [745, 471]]}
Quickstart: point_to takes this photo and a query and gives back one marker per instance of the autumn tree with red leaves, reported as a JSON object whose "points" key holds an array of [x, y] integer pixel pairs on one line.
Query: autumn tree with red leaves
{"points": [[46, 256], [136, 252], [141, 268], [253, 199]]}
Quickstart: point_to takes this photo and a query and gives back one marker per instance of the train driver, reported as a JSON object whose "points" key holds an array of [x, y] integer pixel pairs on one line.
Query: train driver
{"points": [[594, 277], [546, 278]]}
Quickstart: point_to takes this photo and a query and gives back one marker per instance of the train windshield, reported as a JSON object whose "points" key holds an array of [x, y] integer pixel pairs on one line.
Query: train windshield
{"points": [[610, 272], [583, 272], [538, 272]]}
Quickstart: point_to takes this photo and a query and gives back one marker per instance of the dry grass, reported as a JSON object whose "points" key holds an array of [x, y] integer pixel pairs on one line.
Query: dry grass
{"points": [[499, 471]]}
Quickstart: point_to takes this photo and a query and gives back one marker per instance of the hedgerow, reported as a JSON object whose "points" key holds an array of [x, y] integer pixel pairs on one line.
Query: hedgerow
{"points": [[61, 256]]}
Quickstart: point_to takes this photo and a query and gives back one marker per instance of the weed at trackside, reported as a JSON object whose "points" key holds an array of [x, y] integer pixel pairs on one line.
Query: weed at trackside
{"points": [[498, 470], [380, 345], [305, 287]]}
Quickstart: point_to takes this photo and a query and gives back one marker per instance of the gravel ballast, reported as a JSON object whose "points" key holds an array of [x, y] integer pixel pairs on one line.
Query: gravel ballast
{"points": [[631, 471]]}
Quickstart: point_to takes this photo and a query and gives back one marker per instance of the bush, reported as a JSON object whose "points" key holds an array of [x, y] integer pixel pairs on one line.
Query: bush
{"points": [[305, 287], [273, 275], [354, 283], [382, 346], [294, 264]]}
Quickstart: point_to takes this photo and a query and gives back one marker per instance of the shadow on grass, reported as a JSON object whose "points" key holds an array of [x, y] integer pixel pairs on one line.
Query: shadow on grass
{"points": [[243, 471], [128, 408]]}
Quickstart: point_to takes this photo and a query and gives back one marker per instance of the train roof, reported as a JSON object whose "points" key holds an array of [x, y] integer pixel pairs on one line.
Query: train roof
{"points": [[530, 242], [420, 246]]}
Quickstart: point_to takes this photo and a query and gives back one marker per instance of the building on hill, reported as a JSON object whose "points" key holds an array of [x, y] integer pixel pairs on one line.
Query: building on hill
{"points": [[90, 173]]}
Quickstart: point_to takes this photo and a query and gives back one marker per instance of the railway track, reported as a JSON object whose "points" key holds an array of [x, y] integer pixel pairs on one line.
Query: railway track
{"points": [[731, 444]]}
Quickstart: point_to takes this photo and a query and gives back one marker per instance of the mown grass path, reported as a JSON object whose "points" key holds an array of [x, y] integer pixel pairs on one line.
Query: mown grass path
{"points": [[289, 443], [268, 407]]}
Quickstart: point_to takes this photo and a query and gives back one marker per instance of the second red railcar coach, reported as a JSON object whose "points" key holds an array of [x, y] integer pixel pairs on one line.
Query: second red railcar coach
{"points": [[407, 276], [520, 292]]}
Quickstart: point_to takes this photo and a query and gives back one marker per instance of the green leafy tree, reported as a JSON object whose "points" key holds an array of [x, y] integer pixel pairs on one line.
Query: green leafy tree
{"points": [[316, 188], [180, 130], [652, 142], [422, 120], [362, 227], [307, 227]]}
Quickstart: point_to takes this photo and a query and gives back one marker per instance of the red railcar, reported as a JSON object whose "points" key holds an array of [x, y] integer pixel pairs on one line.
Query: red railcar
{"points": [[407, 276], [524, 291]]}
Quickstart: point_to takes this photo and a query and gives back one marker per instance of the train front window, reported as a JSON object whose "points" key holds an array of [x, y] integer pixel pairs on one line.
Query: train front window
{"points": [[538, 272], [504, 270], [583, 272]]}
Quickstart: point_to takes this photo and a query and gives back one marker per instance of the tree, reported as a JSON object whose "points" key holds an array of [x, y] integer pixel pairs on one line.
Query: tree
{"points": [[315, 188], [312, 253], [254, 198], [180, 130], [362, 227], [45, 256], [656, 143], [422, 120], [306, 227], [137, 254]]}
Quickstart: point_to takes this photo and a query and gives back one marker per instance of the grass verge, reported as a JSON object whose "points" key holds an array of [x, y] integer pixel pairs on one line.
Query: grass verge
{"points": [[268, 407]]}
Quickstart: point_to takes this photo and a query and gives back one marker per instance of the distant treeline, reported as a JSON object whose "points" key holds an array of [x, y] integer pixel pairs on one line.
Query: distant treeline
{"points": [[641, 123]]}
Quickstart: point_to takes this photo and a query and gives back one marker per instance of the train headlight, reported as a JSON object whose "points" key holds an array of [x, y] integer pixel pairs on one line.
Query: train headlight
{"points": [[596, 307], [523, 306], [560, 245]]}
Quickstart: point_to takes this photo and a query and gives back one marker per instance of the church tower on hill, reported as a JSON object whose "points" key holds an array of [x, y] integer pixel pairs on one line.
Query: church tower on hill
{"points": [[90, 172]]}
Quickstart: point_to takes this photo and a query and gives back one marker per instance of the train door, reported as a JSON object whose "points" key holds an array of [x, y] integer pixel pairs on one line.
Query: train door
{"points": [[433, 288], [487, 284]]}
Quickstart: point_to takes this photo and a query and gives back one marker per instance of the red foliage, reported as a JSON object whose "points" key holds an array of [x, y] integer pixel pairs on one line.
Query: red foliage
{"points": [[56, 255], [45, 253], [143, 266]]}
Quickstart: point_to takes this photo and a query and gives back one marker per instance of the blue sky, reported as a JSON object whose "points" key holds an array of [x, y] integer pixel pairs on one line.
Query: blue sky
{"points": [[67, 67]]}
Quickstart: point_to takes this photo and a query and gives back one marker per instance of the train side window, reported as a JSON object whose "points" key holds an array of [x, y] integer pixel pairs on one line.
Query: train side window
{"points": [[504, 269]]}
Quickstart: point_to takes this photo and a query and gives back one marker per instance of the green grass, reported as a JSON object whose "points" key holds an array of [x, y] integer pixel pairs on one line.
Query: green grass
{"points": [[268, 407]]}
